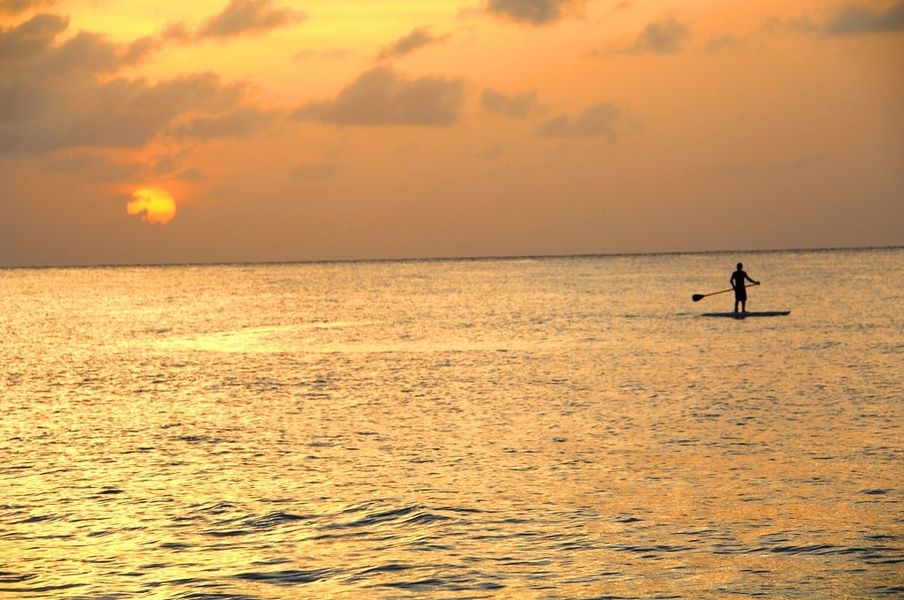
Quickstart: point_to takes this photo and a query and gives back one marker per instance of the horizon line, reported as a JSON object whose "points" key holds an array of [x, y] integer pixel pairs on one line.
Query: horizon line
{"points": [[498, 257]]}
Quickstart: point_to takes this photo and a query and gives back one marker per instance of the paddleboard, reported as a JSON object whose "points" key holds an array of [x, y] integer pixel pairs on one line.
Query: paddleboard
{"points": [[755, 313]]}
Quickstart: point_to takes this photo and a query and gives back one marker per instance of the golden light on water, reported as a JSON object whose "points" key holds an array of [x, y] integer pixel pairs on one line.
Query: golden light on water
{"points": [[153, 204]]}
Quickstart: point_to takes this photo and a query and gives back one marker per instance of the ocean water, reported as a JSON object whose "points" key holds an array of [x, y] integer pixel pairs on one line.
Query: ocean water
{"points": [[526, 428]]}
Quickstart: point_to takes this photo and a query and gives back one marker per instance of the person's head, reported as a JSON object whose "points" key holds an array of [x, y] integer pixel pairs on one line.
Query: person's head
{"points": [[740, 266]]}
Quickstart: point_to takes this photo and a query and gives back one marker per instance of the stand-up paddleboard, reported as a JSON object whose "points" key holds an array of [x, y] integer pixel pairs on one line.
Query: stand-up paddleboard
{"points": [[755, 313]]}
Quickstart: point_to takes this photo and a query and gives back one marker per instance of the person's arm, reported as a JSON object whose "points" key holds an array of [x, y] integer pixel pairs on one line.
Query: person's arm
{"points": [[751, 280]]}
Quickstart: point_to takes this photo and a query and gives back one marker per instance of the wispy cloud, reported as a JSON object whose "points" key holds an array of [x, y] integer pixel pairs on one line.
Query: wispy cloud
{"points": [[719, 43], [598, 120], [666, 36], [534, 12], [856, 19], [662, 37], [235, 123], [249, 17], [417, 38], [515, 106], [382, 96], [14, 7], [95, 167], [844, 21]]}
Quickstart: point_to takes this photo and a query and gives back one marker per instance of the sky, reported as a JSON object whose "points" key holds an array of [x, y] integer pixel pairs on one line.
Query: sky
{"points": [[146, 132]]}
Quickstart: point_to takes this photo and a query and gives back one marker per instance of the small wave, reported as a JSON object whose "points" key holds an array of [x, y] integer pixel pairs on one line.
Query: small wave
{"points": [[628, 519], [276, 519], [456, 584], [36, 519], [176, 546], [215, 596], [9, 577], [287, 577], [652, 549], [406, 514], [215, 508], [197, 439], [41, 589], [416, 586]]}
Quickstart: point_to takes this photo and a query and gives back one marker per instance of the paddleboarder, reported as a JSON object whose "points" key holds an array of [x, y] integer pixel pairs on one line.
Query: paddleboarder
{"points": [[738, 279]]}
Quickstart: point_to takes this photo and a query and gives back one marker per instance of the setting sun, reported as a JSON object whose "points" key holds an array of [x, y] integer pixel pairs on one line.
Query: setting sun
{"points": [[154, 205]]}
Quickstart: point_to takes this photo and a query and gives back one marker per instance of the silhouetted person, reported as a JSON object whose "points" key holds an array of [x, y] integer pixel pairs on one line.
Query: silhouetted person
{"points": [[738, 279]]}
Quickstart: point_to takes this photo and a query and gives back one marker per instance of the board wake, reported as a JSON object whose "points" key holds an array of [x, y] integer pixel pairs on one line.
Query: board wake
{"points": [[755, 313]]}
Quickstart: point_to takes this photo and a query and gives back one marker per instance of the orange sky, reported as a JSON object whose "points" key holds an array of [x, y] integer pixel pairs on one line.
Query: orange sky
{"points": [[343, 129]]}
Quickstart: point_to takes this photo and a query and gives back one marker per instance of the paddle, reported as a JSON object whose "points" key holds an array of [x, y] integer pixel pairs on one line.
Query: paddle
{"points": [[699, 297]]}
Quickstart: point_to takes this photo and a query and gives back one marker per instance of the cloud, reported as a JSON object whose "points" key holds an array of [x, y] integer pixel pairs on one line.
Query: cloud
{"points": [[31, 37], [516, 106], [95, 167], [381, 96], [601, 119], [417, 38], [236, 123], [68, 95], [719, 43], [249, 17], [14, 7], [534, 12], [858, 19], [848, 20], [662, 37]]}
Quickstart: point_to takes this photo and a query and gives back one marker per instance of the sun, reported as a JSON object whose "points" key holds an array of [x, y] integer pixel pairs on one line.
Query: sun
{"points": [[153, 204]]}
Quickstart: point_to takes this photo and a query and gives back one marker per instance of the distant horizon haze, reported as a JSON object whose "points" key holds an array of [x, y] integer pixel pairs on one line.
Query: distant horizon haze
{"points": [[738, 253]]}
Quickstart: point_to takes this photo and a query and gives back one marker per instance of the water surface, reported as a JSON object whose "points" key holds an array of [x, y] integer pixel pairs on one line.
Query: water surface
{"points": [[532, 428]]}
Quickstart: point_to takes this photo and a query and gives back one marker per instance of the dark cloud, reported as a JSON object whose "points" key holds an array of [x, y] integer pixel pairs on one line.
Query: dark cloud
{"points": [[382, 96], [516, 106], [14, 7], [68, 95], [31, 37], [236, 123], [249, 16], [598, 120], [417, 38], [117, 113], [535, 12], [662, 37], [858, 19]]}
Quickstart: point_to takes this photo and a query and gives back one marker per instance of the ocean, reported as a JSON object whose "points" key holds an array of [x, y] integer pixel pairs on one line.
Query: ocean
{"points": [[503, 428]]}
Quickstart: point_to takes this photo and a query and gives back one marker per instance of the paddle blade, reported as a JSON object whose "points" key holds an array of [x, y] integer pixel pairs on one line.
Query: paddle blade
{"points": [[698, 297]]}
